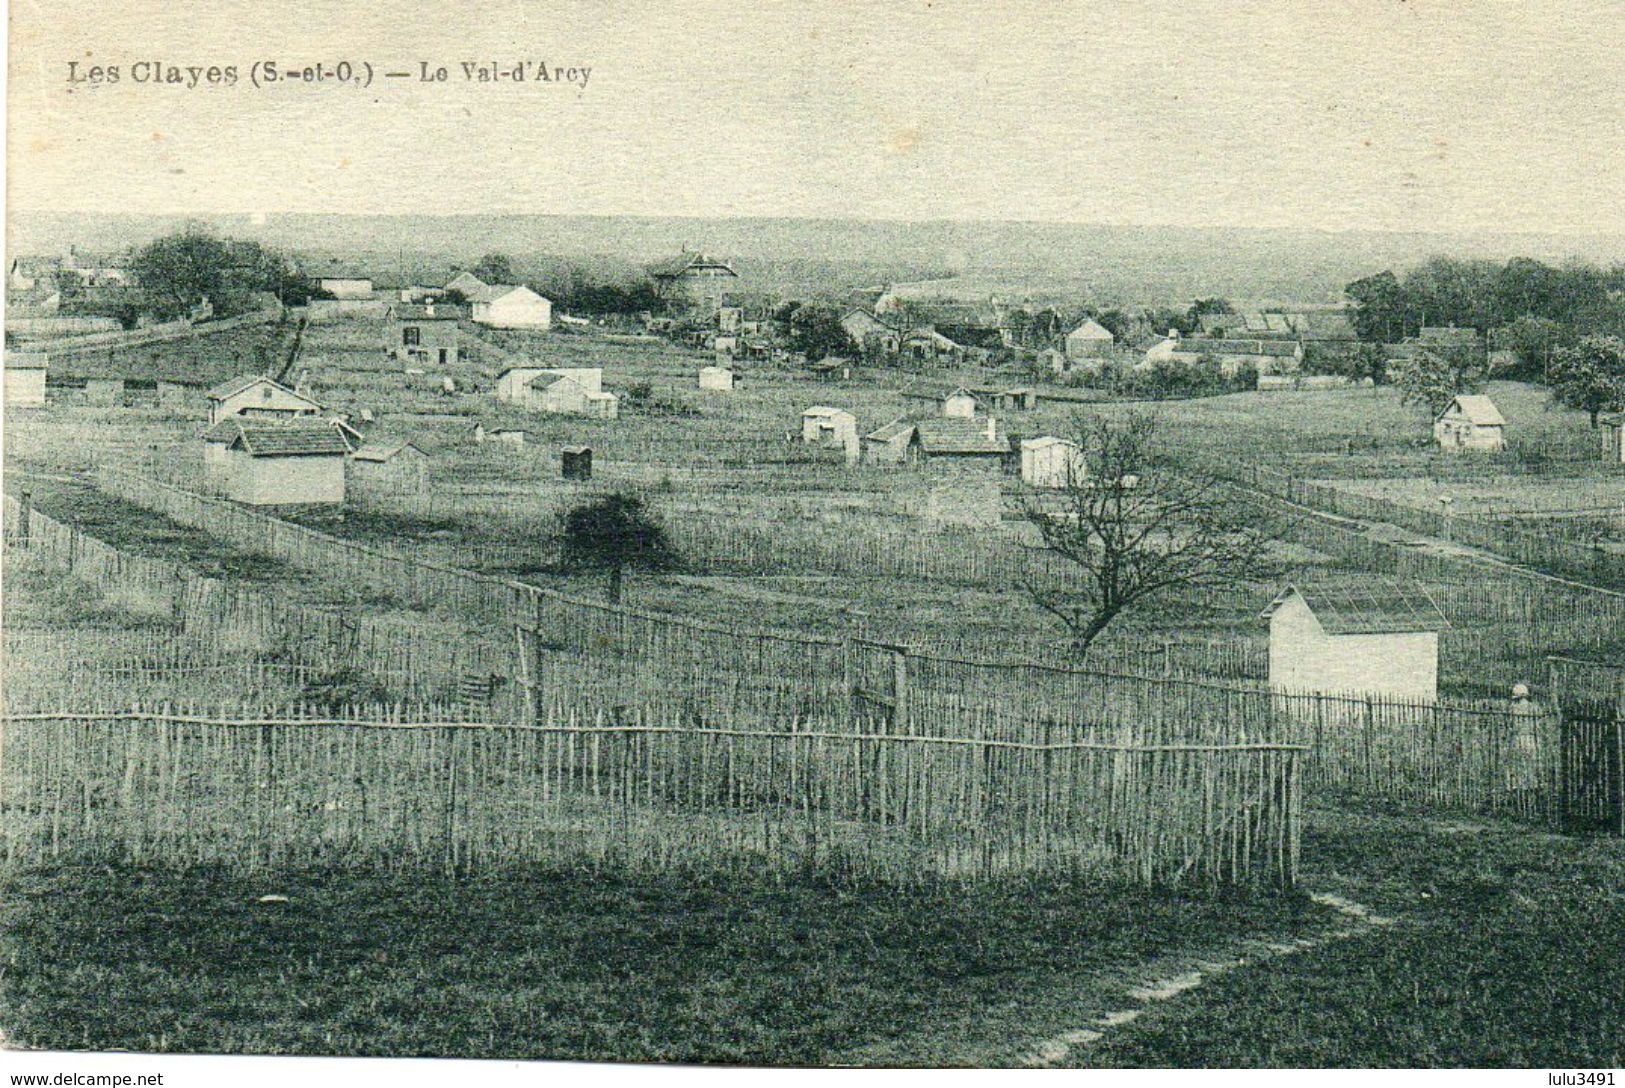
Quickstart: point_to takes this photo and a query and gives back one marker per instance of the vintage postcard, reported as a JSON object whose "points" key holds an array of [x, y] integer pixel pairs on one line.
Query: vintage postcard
{"points": [[826, 535]]}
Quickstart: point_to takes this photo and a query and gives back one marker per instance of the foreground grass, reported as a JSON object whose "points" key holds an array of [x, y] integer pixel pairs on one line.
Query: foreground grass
{"points": [[580, 965], [1507, 954]]}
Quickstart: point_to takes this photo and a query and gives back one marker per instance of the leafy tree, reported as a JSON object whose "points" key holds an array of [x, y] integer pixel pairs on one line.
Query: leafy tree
{"points": [[1590, 375], [1136, 526], [495, 268], [1379, 307], [1532, 340], [816, 330], [178, 271], [614, 533], [1431, 379]]}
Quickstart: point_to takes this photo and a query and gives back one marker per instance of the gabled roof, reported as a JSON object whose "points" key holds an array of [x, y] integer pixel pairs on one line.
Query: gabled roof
{"points": [[1091, 330], [1046, 441], [279, 439], [442, 311], [248, 381], [385, 452], [824, 411], [676, 266], [958, 436], [1477, 409], [890, 432], [1375, 607], [465, 282]]}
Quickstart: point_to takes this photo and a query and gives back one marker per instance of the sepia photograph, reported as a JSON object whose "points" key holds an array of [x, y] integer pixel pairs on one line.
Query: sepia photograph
{"points": [[1044, 535]]}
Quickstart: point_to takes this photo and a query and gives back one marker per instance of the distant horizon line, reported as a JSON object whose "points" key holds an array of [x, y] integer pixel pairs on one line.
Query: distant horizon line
{"points": [[1550, 232]]}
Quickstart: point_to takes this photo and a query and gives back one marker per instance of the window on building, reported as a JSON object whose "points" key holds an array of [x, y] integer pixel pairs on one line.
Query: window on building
{"points": [[411, 336]]}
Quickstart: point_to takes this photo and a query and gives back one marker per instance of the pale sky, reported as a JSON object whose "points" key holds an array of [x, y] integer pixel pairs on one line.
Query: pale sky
{"points": [[1361, 114]]}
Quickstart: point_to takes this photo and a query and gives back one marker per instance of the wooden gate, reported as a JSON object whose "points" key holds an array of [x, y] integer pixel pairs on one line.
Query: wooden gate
{"points": [[1591, 736]]}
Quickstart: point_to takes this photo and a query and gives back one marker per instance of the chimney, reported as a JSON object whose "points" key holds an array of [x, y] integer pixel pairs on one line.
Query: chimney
{"points": [[302, 386]]}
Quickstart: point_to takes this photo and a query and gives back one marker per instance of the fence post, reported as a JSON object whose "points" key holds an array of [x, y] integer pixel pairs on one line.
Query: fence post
{"points": [[900, 686], [25, 515]]}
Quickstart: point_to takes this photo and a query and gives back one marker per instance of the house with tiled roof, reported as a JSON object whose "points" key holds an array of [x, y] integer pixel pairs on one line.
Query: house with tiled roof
{"points": [[269, 463], [692, 282], [888, 444], [975, 442], [1375, 637]]}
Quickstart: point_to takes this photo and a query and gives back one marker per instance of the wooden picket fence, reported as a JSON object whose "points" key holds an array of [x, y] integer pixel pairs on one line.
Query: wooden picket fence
{"points": [[649, 788]]}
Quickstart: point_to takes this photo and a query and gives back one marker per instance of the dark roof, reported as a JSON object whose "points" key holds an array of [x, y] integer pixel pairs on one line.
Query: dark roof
{"points": [[1374, 607], [897, 428], [687, 262], [279, 439], [1237, 347], [958, 436]]}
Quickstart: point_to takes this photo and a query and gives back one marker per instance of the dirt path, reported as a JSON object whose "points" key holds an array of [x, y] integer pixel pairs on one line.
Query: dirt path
{"points": [[1185, 974]]}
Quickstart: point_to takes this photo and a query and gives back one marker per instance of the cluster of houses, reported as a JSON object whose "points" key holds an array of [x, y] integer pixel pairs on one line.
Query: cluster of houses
{"points": [[950, 432], [415, 311]]}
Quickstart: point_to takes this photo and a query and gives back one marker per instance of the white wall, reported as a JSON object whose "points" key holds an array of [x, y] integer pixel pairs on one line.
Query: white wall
{"points": [[1303, 657], [264, 481], [25, 388]]}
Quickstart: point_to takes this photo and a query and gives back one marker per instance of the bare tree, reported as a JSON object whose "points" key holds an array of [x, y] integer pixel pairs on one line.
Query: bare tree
{"points": [[1136, 526]]}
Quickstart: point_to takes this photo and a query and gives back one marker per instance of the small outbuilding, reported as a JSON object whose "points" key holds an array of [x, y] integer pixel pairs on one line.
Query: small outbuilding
{"points": [[271, 463], [574, 391], [1379, 638], [1052, 462], [717, 379], [255, 396], [505, 306], [830, 428], [422, 334], [25, 378], [888, 445], [575, 462], [970, 442], [1470, 422], [396, 465]]}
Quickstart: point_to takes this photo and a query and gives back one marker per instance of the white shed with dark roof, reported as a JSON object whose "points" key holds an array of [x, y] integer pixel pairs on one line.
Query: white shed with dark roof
{"points": [[1376, 638], [1471, 422], [271, 464]]}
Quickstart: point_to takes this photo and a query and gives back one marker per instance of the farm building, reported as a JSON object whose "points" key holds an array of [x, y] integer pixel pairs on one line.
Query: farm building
{"points": [[1005, 400], [503, 306], [730, 318], [265, 464], [869, 332], [1381, 639], [256, 396], [1471, 422], [926, 344], [830, 428], [972, 442], [832, 369], [576, 391], [955, 403], [513, 436], [25, 378], [1264, 356], [422, 334], [178, 392], [692, 282], [1052, 462], [392, 465], [718, 379], [1089, 340], [888, 445]]}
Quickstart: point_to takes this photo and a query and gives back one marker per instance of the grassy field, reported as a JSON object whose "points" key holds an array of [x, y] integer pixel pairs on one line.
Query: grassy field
{"points": [[1504, 953]]}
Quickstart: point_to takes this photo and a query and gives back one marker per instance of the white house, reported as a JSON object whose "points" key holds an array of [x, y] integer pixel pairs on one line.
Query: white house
{"points": [[719, 379], [830, 428], [1470, 422], [1090, 339], [503, 306], [25, 378], [1052, 462], [959, 404], [273, 463], [256, 396], [558, 390], [1374, 639]]}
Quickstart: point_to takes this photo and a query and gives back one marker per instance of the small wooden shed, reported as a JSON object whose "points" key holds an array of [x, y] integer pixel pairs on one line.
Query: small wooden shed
{"points": [[830, 428], [1052, 462], [264, 464], [717, 379], [395, 465], [1470, 422], [1374, 638]]}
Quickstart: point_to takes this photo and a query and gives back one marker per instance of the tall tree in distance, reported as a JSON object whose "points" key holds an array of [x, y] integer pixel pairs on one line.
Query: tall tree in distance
{"points": [[495, 268], [614, 533], [1379, 308], [178, 271], [1135, 526], [1590, 375]]}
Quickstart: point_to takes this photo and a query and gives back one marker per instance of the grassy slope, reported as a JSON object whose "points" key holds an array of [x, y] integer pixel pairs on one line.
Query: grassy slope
{"points": [[1507, 954], [580, 965]]}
